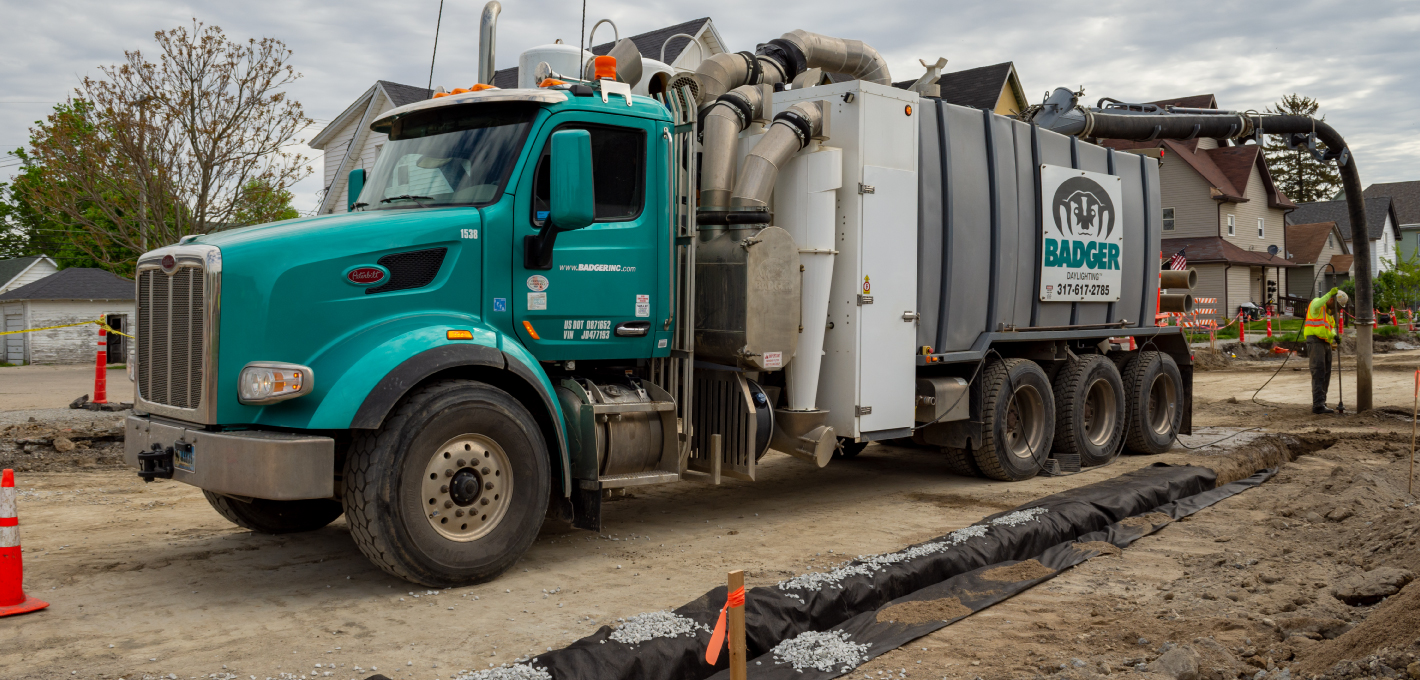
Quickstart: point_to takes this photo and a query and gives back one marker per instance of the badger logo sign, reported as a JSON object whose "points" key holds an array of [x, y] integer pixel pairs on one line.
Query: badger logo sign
{"points": [[1082, 235], [1082, 207]]}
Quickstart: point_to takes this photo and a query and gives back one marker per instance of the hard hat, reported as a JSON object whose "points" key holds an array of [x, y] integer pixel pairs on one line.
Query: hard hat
{"points": [[1341, 298]]}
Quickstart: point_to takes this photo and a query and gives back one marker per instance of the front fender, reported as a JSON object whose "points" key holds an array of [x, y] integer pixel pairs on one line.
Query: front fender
{"points": [[361, 377]]}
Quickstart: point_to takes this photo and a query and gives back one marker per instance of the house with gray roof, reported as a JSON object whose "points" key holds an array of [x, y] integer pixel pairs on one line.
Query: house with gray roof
{"points": [[1382, 225], [1405, 198], [349, 144], [68, 296]]}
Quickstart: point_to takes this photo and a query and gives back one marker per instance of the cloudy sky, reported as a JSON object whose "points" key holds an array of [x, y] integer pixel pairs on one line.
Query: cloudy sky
{"points": [[1360, 58]]}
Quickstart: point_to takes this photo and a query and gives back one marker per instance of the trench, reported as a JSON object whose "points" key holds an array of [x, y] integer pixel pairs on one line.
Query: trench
{"points": [[891, 599]]}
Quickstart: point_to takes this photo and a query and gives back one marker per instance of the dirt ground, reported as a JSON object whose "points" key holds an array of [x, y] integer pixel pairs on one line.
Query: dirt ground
{"points": [[149, 581]]}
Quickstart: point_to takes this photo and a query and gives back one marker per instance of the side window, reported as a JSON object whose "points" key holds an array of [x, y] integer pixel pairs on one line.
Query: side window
{"points": [[618, 173], [1168, 219]]}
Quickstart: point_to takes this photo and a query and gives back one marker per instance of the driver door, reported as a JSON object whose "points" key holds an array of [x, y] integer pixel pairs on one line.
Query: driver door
{"points": [[598, 300]]}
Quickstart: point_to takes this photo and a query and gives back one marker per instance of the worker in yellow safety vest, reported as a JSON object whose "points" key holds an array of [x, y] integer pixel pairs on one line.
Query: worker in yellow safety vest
{"points": [[1321, 333]]}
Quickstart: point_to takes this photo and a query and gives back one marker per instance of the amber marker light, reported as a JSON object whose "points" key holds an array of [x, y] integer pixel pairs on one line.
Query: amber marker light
{"points": [[481, 87], [459, 335], [908, 110], [531, 332], [604, 68]]}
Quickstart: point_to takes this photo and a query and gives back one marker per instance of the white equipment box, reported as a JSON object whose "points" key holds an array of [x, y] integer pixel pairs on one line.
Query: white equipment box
{"points": [[868, 375]]}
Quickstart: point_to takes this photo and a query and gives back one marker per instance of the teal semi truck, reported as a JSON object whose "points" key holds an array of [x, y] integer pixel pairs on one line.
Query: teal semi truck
{"points": [[544, 294]]}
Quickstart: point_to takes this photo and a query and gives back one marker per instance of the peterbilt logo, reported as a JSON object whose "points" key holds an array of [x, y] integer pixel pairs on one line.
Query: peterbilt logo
{"points": [[169, 263], [365, 275], [1082, 208]]}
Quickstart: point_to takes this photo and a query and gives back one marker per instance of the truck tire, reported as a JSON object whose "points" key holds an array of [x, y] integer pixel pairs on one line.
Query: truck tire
{"points": [[961, 461], [276, 517], [1017, 420], [453, 487], [1153, 390], [1089, 409]]}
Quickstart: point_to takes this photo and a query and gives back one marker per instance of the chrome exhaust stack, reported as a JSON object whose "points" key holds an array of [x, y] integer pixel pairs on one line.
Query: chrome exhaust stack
{"points": [[487, 41]]}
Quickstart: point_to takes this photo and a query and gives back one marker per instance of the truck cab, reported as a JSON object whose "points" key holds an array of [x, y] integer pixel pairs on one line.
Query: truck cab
{"points": [[538, 299]]}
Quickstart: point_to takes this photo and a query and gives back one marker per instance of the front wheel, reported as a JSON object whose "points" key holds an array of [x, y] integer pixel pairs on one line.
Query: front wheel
{"points": [[452, 489]]}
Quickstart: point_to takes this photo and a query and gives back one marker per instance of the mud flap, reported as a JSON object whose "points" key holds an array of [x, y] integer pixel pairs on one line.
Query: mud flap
{"points": [[587, 505]]}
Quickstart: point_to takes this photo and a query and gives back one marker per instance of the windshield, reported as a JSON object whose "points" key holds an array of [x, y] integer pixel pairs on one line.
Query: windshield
{"points": [[453, 156]]}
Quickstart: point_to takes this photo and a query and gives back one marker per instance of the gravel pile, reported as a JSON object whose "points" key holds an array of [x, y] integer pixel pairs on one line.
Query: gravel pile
{"points": [[821, 651], [518, 672], [1011, 519], [867, 564], [661, 624]]}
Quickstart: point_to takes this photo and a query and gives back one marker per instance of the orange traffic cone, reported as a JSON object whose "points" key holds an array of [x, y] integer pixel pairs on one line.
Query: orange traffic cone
{"points": [[1269, 323], [12, 572]]}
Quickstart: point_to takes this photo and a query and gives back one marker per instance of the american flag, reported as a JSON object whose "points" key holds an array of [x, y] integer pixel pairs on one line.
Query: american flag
{"points": [[1178, 261]]}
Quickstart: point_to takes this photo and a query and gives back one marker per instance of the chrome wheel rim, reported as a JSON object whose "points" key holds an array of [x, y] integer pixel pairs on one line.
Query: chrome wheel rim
{"points": [[1025, 423], [1100, 414], [1163, 402], [467, 487]]}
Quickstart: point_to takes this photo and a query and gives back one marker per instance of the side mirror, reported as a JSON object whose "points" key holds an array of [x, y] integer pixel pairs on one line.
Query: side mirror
{"points": [[572, 200], [354, 186]]}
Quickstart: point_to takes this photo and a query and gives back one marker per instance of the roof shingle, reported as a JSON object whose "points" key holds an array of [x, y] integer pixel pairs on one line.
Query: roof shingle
{"points": [[1207, 249], [1405, 196], [405, 94], [979, 88], [11, 268], [1377, 209], [75, 283], [1307, 240]]}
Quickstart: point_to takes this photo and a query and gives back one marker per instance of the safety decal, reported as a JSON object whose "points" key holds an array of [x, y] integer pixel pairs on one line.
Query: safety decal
{"points": [[537, 283], [661, 344], [500, 304], [773, 359], [867, 285], [537, 302], [643, 305]]}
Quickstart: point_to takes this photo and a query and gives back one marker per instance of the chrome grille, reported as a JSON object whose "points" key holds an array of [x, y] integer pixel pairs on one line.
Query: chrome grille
{"points": [[171, 311]]}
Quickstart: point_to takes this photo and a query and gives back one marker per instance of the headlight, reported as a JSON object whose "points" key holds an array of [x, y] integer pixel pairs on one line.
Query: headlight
{"points": [[264, 382]]}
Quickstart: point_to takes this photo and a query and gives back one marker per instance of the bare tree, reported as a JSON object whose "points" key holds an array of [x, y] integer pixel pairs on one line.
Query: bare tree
{"points": [[152, 152]]}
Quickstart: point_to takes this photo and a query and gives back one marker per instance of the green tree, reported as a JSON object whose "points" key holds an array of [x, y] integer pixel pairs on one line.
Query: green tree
{"points": [[151, 152], [1295, 171], [261, 202], [27, 230]]}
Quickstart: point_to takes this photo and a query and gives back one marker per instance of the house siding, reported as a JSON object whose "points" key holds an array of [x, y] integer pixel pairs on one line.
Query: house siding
{"points": [[73, 345], [1274, 229], [1195, 213], [1239, 288], [1409, 239], [1210, 285], [363, 158]]}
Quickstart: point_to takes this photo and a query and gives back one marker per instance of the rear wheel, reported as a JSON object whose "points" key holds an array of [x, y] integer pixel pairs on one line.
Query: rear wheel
{"points": [[275, 517], [1154, 394], [1089, 409], [452, 489], [1018, 420]]}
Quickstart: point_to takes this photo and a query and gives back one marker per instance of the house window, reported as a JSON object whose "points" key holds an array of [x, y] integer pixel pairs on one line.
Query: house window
{"points": [[1232, 225], [1259, 227], [1329, 242], [1168, 219]]}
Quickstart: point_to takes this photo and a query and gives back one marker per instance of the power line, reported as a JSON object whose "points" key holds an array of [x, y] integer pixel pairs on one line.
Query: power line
{"points": [[437, 22]]}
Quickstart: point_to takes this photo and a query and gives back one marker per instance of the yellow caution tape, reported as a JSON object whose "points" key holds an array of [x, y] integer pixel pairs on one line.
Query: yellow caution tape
{"points": [[99, 322]]}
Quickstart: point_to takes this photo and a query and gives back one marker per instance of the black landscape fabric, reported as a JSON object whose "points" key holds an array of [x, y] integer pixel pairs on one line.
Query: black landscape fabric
{"points": [[774, 614], [972, 591]]}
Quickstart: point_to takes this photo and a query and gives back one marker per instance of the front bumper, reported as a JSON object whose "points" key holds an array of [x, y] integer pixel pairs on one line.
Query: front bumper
{"points": [[277, 466]]}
